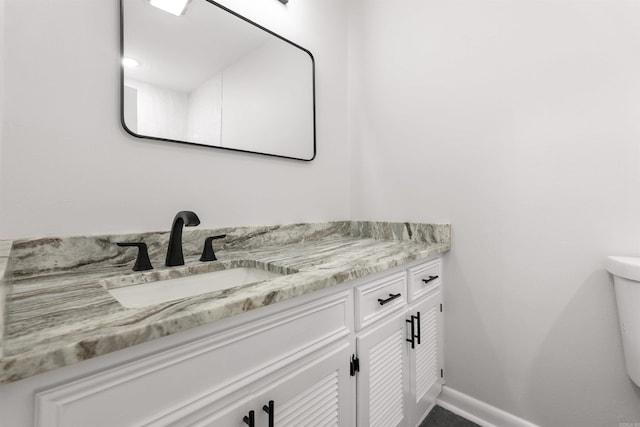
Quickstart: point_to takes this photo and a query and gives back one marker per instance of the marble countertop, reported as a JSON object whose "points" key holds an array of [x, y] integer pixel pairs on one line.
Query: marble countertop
{"points": [[57, 312]]}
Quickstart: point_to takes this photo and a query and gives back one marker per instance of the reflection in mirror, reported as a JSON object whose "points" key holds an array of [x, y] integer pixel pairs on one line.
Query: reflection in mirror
{"points": [[211, 77]]}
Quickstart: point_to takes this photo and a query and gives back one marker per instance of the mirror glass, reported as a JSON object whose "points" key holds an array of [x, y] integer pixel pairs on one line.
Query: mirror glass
{"points": [[212, 77]]}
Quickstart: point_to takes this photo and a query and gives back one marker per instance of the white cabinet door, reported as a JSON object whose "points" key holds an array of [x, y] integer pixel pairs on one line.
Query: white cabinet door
{"points": [[315, 391], [229, 411], [383, 378], [321, 394], [425, 359]]}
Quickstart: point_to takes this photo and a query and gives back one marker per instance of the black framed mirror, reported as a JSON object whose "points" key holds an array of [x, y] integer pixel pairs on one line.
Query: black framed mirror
{"points": [[208, 76]]}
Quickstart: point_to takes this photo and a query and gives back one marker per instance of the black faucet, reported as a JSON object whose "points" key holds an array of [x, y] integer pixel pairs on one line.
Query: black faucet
{"points": [[174, 252]]}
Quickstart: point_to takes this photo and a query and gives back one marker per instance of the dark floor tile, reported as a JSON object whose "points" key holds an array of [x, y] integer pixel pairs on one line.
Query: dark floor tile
{"points": [[440, 417]]}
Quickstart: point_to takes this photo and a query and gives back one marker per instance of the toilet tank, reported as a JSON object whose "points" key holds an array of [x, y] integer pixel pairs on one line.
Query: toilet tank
{"points": [[626, 280]]}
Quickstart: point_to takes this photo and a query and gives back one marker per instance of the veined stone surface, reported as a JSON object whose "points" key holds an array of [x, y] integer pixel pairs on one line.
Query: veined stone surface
{"points": [[401, 231], [5, 271], [59, 312]]}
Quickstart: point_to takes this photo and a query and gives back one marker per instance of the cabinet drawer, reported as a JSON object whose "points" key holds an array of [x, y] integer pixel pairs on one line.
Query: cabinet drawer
{"points": [[165, 382], [424, 278], [380, 297]]}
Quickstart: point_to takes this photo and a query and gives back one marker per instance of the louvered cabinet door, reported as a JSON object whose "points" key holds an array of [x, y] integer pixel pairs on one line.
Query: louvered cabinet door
{"points": [[315, 391], [383, 381], [319, 394], [426, 356]]}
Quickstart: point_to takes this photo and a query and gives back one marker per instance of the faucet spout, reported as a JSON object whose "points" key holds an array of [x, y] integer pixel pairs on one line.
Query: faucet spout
{"points": [[174, 252]]}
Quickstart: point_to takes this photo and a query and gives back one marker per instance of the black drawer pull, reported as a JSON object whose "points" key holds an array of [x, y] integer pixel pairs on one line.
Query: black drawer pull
{"points": [[391, 298], [269, 410], [430, 279], [251, 419], [413, 332]]}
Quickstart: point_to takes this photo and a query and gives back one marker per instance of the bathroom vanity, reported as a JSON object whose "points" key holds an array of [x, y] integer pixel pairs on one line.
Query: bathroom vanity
{"points": [[350, 334]]}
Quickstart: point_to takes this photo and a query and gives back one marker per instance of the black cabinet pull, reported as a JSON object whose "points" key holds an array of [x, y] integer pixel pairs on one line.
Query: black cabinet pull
{"points": [[430, 279], [391, 298], [356, 363], [413, 332], [269, 410], [418, 328], [250, 420]]}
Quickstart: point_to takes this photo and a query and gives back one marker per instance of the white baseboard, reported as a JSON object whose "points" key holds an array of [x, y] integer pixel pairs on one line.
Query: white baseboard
{"points": [[477, 411]]}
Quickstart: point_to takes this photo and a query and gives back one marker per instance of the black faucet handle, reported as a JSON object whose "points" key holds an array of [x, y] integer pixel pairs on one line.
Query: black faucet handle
{"points": [[142, 261], [207, 252]]}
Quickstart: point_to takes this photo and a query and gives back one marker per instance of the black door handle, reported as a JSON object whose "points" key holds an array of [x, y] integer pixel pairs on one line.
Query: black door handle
{"points": [[391, 298], [354, 365], [413, 332], [250, 420], [418, 328], [269, 410]]}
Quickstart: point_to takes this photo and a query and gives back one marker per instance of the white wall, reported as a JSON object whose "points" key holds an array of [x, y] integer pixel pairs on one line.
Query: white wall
{"points": [[160, 111], [519, 123], [167, 113], [274, 71], [67, 167], [130, 108], [205, 112], [2, 61]]}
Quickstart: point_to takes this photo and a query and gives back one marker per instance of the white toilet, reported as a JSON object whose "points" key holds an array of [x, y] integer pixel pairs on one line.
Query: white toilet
{"points": [[626, 279]]}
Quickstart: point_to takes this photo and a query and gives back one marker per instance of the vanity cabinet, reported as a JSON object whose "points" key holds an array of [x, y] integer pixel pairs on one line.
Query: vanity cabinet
{"points": [[426, 362], [277, 357], [339, 356], [400, 354], [425, 359]]}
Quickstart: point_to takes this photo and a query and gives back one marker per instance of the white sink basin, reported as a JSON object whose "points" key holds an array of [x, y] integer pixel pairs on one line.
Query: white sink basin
{"points": [[145, 294]]}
